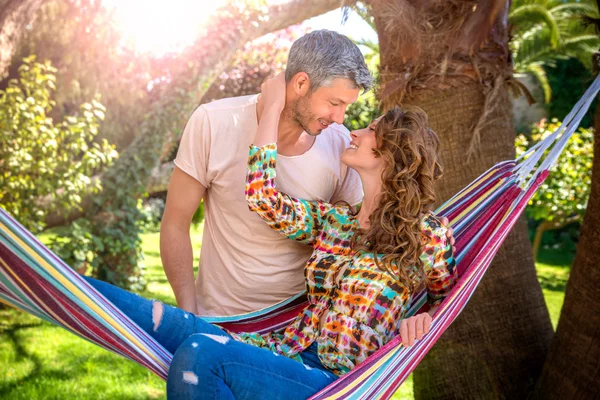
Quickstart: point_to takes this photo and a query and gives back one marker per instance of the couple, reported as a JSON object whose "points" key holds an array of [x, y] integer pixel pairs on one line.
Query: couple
{"points": [[363, 267]]}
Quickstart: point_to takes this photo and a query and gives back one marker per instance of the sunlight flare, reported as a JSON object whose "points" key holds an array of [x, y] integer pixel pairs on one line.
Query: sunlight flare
{"points": [[161, 27]]}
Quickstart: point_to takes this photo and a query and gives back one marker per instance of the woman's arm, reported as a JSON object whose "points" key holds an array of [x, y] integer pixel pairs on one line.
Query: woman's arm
{"points": [[438, 262], [441, 276], [297, 219]]}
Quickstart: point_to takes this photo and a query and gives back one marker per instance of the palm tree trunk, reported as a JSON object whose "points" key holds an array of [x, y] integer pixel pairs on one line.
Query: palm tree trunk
{"points": [[572, 369], [496, 348]]}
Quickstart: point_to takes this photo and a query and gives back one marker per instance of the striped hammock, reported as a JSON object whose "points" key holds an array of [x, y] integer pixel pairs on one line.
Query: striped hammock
{"points": [[35, 280]]}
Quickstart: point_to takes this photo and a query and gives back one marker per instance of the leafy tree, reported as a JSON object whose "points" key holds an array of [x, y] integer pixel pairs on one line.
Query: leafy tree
{"points": [[82, 41], [545, 31], [255, 62], [571, 79], [562, 198], [46, 165], [360, 113]]}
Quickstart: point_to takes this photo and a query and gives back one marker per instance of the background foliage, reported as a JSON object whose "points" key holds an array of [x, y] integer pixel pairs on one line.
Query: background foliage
{"points": [[562, 198], [46, 166]]}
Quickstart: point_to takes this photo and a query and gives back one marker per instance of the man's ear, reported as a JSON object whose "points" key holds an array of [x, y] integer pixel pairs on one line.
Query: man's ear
{"points": [[300, 84]]}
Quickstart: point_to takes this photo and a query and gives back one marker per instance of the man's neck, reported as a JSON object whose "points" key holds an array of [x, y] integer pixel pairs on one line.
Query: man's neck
{"points": [[291, 138]]}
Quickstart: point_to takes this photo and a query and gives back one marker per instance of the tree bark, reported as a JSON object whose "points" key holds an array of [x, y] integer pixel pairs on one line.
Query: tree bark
{"points": [[15, 15], [496, 348], [572, 369]]}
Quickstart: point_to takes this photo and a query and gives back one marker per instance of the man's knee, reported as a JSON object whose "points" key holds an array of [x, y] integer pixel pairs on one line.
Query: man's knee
{"points": [[157, 314], [201, 349]]}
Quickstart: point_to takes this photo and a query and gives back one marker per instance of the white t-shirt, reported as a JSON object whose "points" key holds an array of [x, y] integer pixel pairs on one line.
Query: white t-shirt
{"points": [[244, 265]]}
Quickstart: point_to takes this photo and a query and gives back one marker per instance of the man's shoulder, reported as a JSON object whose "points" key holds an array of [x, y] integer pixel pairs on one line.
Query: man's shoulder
{"points": [[226, 113], [230, 104]]}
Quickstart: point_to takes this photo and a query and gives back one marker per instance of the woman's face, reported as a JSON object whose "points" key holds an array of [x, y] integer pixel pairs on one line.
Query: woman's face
{"points": [[360, 155]]}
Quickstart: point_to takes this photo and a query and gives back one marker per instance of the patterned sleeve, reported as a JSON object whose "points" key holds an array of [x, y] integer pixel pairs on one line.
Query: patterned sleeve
{"points": [[296, 219], [438, 261]]}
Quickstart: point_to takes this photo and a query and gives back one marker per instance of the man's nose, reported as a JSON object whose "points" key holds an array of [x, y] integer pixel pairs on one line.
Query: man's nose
{"points": [[338, 115]]}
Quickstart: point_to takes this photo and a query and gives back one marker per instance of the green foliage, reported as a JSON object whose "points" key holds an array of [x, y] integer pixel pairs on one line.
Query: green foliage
{"points": [[254, 63], [83, 41], [565, 192], [545, 31], [46, 166], [198, 216], [570, 79], [119, 255], [97, 245], [76, 245], [360, 113], [152, 211]]}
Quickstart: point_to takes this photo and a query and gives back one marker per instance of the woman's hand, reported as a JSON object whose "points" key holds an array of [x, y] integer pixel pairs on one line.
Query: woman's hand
{"points": [[273, 99], [449, 233], [273, 92], [414, 328]]}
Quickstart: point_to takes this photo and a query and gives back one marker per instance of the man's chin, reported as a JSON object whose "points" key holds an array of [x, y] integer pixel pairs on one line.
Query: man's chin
{"points": [[312, 132]]}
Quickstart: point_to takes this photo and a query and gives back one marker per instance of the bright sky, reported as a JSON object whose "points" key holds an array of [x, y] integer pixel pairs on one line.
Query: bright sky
{"points": [[160, 27], [355, 27]]}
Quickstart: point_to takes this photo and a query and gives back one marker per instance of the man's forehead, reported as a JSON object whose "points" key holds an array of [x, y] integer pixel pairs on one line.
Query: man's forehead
{"points": [[340, 89]]}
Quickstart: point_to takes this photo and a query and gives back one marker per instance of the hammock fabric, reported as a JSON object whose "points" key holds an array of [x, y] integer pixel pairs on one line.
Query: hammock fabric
{"points": [[35, 280]]}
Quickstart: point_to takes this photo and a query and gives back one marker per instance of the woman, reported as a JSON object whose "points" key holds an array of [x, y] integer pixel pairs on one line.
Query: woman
{"points": [[364, 270]]}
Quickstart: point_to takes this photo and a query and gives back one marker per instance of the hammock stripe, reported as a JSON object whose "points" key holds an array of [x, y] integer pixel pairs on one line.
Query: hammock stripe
{"points": [[33, 279]]}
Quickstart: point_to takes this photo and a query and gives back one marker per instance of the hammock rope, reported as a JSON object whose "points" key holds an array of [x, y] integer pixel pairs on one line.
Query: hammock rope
{"points": [[35, 280]]}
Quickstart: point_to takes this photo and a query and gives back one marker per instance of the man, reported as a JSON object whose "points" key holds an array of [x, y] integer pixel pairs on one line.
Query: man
{"points": [[244, 265]]}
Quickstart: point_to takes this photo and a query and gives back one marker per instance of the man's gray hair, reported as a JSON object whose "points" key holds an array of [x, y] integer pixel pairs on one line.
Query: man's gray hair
{"points": [[325, 55]]}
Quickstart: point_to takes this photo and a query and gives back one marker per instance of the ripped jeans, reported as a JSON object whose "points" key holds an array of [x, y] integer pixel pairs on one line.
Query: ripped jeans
{"points": [[209, 364]]}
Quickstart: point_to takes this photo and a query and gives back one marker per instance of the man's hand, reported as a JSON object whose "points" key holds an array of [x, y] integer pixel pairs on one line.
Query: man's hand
{"points": [[449, 233], [414, 328]]}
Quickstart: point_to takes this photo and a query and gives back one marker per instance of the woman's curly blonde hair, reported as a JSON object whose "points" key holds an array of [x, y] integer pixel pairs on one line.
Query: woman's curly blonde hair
{"points": [[410, 152]]}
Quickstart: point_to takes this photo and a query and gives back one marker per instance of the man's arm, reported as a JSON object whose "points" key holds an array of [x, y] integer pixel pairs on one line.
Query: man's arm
{"points": [[183, 198]]}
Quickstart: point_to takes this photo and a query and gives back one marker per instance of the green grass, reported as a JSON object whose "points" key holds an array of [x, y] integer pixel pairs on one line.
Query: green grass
{"points": [[41, 361], [553, 267]]}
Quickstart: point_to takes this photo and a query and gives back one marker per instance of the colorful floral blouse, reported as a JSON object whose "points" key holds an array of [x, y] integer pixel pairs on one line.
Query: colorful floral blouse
{"points": [[364, 305]]}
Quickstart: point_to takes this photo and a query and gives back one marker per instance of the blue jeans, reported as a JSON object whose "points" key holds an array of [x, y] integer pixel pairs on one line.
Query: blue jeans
{"points": [[209, 364]]}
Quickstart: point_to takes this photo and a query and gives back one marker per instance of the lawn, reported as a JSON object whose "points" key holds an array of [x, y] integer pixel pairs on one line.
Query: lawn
{"points": [[41, 361]]}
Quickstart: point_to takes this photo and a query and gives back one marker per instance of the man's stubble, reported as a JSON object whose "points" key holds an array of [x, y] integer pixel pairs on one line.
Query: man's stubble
{"points": [[300, 113]]}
